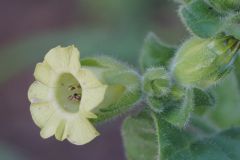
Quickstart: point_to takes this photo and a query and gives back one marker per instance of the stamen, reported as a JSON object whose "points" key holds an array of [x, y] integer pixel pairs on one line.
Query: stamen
{"points": [[75, 97], [70, 97], [71, 88], [67, 94]]}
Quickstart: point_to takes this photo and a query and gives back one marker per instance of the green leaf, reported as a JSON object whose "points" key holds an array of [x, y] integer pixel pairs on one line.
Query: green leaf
{"points": [[155, 53], [223, 146], [202, 127], [147, 137], [203, 100], [124, 86], [237, 70], [179, 115], [226, 6], [201, 19], [233, 29], [227, 110], [176, 107], [234, 24]]}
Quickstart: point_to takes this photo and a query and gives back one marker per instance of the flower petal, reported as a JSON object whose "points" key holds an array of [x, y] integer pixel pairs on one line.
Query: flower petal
{"points": [[62, 59], [74, 64], [50, 127], [41, 112], [92, 97], [87, 79], [82, 131], [87, 114], [44, 74], [38, 92], [62, 131]]}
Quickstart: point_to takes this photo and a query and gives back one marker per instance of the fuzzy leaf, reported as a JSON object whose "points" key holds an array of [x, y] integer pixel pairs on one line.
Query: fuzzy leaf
{"points": [[227, 110], [179, 115], [225, 6], [223, 146], [164, 103], [201, 19], [155, 53], [123, 86], [175, 107], [233, 27], [147, 137], [203, 100], [237, 70]]}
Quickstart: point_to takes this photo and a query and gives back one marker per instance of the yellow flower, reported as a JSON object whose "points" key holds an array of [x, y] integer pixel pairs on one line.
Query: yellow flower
{"points": [[64, 95]]}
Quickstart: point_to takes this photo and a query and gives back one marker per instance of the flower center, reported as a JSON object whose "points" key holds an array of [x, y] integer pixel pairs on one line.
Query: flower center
{"points": [[68, 93]]}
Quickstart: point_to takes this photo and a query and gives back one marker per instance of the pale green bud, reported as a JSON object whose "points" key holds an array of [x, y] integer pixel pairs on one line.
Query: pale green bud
{"points": [[167, 102], [203, 62], [156, 82], [225, 5]]}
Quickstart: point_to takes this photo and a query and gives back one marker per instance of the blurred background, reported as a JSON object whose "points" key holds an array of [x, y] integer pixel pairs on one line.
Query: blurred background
{"points": [[29, 28]]}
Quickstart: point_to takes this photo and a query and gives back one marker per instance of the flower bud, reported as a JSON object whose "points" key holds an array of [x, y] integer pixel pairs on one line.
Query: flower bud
{"points": [[201, 63], [172, 100], [225, 5], [156, 82]]}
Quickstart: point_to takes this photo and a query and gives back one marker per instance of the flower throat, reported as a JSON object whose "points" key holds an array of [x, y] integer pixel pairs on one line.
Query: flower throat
{"points": [[68, 93]]}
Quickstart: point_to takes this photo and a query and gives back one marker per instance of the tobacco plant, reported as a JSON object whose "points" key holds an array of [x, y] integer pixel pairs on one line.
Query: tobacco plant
{"points": [[186, 99]]}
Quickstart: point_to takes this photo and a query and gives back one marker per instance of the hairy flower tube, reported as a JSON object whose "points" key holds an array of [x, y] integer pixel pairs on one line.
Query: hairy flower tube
{"points": [[64, 95], [201, 63]]}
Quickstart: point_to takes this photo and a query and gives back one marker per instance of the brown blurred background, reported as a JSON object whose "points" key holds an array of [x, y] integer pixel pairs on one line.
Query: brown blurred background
{"points": [[29, 28]]}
